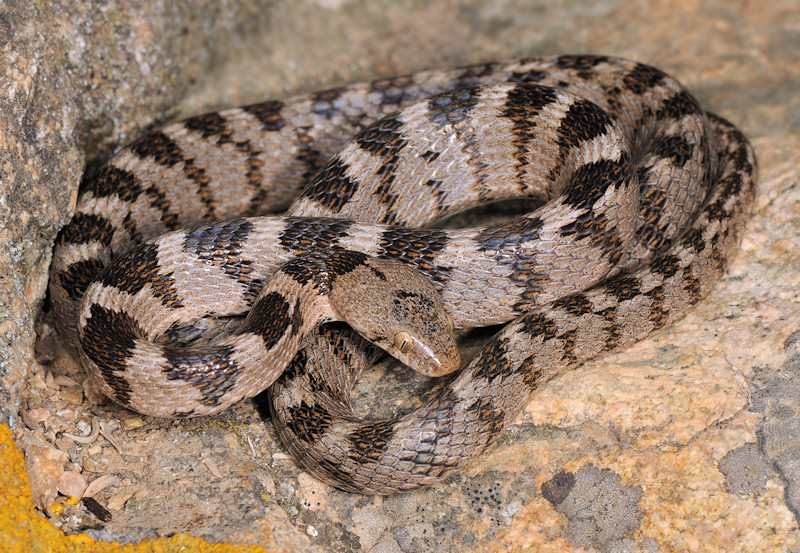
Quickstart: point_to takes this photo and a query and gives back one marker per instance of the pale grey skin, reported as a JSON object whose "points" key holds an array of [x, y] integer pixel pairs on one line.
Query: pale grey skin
{"points": [[386, 301], [698, 181]]}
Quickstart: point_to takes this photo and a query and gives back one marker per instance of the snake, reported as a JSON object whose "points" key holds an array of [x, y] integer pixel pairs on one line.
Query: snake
{"points": [[645, 197]]}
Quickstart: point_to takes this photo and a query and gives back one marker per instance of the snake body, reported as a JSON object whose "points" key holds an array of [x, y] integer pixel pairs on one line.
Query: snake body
{"points": [[648, 197]]}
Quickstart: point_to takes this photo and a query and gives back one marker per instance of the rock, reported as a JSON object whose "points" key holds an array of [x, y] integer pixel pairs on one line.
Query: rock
{"points": [[78, 81], [45, 466], [72, 484]]}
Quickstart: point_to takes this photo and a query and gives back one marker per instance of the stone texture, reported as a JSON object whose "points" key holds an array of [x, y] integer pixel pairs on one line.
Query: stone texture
{"points": [[689, 437], [79, 79], [45, 467]]}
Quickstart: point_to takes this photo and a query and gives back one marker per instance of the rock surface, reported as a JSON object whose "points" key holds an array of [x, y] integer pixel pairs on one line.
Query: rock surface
{"points": [[688, 441]]}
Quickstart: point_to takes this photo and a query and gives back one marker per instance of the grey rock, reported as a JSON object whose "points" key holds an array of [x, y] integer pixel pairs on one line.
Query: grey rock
{"points": [[602, 511], [746, 470], [776, 394]]}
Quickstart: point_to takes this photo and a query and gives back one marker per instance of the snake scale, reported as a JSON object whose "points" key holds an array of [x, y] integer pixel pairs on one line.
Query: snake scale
{"points": [[646, 199]]}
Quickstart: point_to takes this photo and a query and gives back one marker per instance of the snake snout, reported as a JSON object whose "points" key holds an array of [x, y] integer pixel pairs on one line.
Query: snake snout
{"points": [[433, 357]]}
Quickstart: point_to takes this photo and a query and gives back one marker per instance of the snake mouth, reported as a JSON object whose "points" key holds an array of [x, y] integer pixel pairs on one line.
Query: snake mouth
{"points": [[435, 362]]}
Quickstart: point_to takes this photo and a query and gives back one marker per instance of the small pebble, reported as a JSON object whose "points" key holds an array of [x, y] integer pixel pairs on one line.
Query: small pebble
{"points": [[50, 381], [62, 380], [71, 395], [117, 501], [39, 414], [45, 465], [132, 423], [72, 484], [212, 467], [311, 531]]}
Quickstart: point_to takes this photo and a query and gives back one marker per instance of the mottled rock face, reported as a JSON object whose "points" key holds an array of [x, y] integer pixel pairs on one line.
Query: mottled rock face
{"points": [[685, 442]]}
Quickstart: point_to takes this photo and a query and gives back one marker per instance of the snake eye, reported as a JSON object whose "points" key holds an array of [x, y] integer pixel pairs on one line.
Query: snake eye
{"points": [[402, 341]]}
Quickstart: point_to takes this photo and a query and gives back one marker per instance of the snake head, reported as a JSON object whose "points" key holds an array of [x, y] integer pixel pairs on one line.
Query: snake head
{"points": [[397, 308]]}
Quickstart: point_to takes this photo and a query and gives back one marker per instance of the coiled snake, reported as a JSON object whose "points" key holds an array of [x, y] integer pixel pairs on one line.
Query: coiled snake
{"points": [[647, 196]]}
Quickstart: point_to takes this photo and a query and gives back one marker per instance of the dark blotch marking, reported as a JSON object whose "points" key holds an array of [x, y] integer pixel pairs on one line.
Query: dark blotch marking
{"points": [[139, 267], [85, 228], [524, 102], [429, 156], [76, 279], [269, 318], [568, 339], [210, 369], [210, 124], [590, 181], [303, 235], [108, 338], [311, 157], [522, 107], [308, 422], [295, 369], [577, 305], [666, 265], [538, 324], [741, 156], [385, 139], [589, 184], [659, 315], [382, 138], [297, 318], [674, 148], [493, 362], [678, 106], [393, 90], [613, 333], [269, 113], [323, 268], [164, 151], [323, 101], [584, 121], [653, 202], [642, 78], [693, 284], [526, 269], [580, 62], [530, 76], [491, 419], [624, 288], [418, 247], [161, 148], [387, 200], [369, 442], [331, 187], [110, 181], [694, 239], [473, 74]]}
